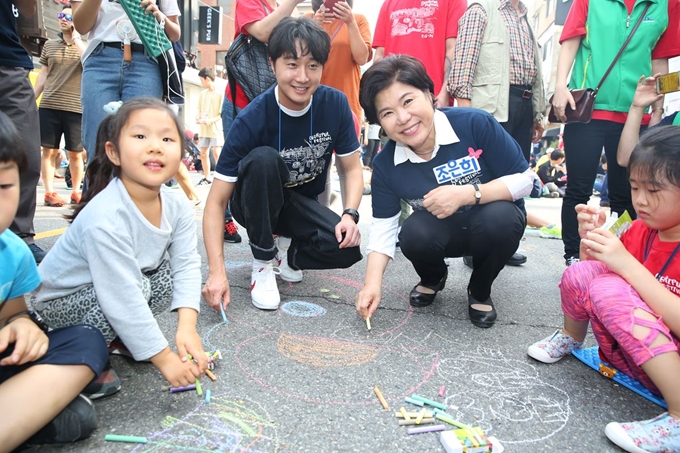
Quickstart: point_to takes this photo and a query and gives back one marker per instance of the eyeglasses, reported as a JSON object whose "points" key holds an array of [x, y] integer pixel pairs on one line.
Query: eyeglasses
{"points": [[65, 16]]}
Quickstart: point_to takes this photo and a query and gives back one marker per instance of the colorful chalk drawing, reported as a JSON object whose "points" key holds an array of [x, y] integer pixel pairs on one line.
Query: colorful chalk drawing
{"points": [[504, 396], [228, 424], [303, 309]]}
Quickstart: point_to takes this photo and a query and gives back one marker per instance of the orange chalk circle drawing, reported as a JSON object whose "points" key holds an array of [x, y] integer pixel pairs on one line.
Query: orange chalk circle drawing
{"points": [[321, 352]]}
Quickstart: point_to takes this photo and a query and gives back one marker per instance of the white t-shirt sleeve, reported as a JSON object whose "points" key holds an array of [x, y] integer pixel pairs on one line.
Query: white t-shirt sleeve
{"points": [[383, 235]]}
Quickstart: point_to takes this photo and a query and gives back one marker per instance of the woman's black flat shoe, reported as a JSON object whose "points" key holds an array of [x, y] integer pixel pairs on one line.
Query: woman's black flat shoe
{"points": [[481, 318], [418, 299]]}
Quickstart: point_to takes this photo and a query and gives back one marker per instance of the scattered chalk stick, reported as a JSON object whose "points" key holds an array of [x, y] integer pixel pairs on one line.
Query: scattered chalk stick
{"points": [[182, 389], [451, 421], [207, 396], [442, 390], [199, 389], [414, 402], [224, 316], [429, 402], [404, 414], [413, 414], [130, 439], [210, 375], [420, 416], [378, 393], [425, 429], [425, 421]]}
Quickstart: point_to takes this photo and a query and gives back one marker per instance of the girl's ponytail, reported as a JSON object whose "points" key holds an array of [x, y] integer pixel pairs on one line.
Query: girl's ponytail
{"points": [[100, 171]]}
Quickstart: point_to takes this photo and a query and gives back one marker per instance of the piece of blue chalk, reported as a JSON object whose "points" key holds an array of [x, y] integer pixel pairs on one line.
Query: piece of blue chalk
{"points": [[207, 396], [429, 402], [412, 401], [224, 316]]}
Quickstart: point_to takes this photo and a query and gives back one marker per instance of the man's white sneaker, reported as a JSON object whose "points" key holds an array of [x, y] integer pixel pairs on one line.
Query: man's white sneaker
{"points": [[263, 290], [286, 272]]}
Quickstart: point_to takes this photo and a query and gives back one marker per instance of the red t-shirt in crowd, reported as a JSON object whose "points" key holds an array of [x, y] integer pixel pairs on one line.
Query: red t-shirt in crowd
{"points": [[667, 47], [247, 12], [635, 240], [419, 28]]}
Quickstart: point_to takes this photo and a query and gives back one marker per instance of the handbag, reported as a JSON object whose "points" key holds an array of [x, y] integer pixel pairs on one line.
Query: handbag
{"points": [[584, 99], [247, 63], [171, 64]]}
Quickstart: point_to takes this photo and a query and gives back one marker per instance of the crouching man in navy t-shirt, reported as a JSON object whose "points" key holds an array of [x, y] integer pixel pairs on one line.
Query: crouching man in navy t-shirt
{"points": [[274, 163]]}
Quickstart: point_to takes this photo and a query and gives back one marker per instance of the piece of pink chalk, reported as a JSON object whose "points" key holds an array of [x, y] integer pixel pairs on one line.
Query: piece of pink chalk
{"points": [[442, 390]]}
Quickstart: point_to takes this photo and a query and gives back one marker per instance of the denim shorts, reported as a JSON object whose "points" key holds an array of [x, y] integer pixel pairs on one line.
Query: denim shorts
{"points": [[107, 78]]}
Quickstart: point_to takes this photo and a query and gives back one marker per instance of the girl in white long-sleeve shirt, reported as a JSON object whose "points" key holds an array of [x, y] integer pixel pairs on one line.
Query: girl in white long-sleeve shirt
{"points": [[131, 249]]}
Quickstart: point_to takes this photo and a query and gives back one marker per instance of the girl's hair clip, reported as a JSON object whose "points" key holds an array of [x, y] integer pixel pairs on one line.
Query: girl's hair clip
{"points": [[112, 107]]}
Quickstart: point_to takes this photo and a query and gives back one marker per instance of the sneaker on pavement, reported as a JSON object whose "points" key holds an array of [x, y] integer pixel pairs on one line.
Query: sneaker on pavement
{"points": [[231, 232], [77, 421], [107, 384], [553, 348], [571, 260], [53, 199], [204, 182], [286, 272], [38, 253], [263, 290], [551, 233], [658, 435]]}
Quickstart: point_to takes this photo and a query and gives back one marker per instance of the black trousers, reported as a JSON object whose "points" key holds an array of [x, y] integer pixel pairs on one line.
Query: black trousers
{"points": [[371, 151], [17, 101], [490, 233], [520, 123], [264, 207], [583, 145]]}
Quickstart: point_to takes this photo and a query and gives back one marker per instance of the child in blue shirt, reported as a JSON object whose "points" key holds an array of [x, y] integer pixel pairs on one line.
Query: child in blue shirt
{"points": [[41, 372]]}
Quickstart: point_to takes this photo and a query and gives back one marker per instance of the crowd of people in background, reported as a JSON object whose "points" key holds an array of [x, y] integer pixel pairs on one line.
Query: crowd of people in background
{"points": [[443, 123]]}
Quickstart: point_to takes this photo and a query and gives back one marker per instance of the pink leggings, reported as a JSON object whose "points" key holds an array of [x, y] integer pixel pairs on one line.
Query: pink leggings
{"points": [[591, 292]]}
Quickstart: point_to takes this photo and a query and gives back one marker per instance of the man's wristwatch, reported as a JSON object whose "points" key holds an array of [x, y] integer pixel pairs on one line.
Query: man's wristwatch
{"points": [[353, 212], [33, 316], [478, 193]]}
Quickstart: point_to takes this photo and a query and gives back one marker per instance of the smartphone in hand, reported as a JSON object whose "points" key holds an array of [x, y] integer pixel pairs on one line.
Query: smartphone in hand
{"points": [[668, 83], [329, 4]]}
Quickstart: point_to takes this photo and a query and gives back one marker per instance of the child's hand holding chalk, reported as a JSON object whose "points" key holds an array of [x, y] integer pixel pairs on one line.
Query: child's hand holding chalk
{"points": [[589, 218], [176, 372]]}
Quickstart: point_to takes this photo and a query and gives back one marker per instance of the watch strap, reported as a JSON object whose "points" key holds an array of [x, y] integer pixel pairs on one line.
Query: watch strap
{"points": [[478, 193], [353, 212]]}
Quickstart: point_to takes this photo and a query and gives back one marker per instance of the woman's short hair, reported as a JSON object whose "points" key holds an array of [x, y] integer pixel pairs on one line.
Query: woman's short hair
{"points": [[380, 76]]}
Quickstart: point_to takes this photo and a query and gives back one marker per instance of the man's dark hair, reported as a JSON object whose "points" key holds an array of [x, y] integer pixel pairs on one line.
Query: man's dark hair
{"points": [[557, 154], [386, 72], [11, 145], [207, 73], [313, 39]]}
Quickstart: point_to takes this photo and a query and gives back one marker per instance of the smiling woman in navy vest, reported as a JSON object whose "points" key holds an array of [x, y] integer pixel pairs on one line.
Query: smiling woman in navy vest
{"points": [[462, 174]]}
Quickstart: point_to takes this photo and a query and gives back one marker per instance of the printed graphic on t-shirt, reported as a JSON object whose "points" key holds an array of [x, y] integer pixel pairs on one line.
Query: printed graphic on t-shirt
{"points": [[307, 162], [415, 20], [671, 284], [457, 171]]}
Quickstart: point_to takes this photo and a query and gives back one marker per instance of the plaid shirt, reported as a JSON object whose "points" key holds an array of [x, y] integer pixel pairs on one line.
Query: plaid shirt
{"points": [[523, 69]]}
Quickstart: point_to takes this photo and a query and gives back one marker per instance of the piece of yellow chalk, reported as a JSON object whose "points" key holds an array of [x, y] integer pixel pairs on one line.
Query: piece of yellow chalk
{"points": [[404, 413], [199, 390], [210, 375], [382, 399], [368, 323], [420, 416], [413, 414], [425, 421]]}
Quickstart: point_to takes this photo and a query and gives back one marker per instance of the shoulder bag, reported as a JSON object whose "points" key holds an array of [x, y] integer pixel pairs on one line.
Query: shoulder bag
{"points": [[247, 63], [585, 98]]}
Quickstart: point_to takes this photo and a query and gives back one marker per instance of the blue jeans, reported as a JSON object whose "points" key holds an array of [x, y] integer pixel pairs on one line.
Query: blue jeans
{"points": [[107, 78], [227, 119]]}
